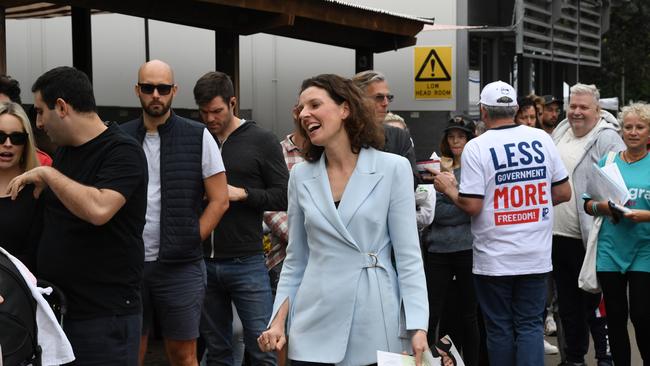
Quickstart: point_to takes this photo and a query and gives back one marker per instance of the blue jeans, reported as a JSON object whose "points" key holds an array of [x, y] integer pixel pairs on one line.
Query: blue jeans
{"points": [[112, 340], [513, 308], [243, 281]]}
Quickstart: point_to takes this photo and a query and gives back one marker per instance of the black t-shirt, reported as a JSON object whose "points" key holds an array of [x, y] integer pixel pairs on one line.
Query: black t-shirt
{"points": [[99, 268], [20, 226]]}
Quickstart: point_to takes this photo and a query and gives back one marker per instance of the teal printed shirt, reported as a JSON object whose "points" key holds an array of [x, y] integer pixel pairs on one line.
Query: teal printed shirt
{"points": [[626, 246]]}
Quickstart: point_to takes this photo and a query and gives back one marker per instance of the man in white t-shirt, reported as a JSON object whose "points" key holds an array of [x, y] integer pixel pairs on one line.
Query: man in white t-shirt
{"points": [[582, 139], [511, 178], [184, 166]]}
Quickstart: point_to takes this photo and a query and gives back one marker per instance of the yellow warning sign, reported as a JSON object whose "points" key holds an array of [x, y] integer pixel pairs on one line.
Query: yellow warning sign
{"points": [[432, 72]]}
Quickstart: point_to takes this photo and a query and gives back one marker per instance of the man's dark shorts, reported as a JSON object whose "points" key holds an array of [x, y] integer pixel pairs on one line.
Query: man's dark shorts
{"points": [[107, 341], [175, 293]]}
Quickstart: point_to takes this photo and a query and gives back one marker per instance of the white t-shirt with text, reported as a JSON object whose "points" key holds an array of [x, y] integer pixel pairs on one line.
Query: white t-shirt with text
{"points": [[512, 168]]}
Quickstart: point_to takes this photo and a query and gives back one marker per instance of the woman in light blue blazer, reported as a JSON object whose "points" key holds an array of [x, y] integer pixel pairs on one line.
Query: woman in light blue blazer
{"points": [[350, 206]]}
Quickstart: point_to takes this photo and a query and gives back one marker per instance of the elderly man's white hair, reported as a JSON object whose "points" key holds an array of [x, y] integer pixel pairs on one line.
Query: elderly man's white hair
{"points": [[365, 78], [585, 89]]}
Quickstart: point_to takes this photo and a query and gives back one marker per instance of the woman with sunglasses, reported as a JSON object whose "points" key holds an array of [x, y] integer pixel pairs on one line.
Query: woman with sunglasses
{"points": [[19, 227], [350, 207], [449, 245]]}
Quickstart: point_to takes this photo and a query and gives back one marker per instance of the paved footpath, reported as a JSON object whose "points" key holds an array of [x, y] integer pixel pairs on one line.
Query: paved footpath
{"points": [[156, 354], [554, 360]]}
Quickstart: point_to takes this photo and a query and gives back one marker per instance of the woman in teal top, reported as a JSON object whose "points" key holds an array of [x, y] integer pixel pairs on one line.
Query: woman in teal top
{"points": [[623, 260]]}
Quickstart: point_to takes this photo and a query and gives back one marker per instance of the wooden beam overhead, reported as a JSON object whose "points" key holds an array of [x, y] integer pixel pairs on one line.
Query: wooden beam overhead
{"points": [[333, 13], [322, 21]]}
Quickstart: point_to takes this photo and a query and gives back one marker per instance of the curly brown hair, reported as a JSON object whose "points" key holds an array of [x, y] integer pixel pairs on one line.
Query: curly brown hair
{"points": [[360, 124]]}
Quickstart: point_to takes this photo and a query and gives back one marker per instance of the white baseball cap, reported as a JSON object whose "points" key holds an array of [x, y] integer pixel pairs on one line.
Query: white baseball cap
{"points": [[498, 94]]}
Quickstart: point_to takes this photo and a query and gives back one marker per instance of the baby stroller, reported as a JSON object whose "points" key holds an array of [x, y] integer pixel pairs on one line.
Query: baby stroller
{"points": [[56, 299], [19, 332]]}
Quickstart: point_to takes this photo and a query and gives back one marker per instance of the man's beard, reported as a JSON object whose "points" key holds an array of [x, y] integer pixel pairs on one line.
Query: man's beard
{"points": [[549, 123], [156, 112]]}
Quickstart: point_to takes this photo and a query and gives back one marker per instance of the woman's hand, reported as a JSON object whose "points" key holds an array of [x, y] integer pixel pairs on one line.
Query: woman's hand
{"points": [[419, 343], [602, 208], [638, 215], [273, 339]]}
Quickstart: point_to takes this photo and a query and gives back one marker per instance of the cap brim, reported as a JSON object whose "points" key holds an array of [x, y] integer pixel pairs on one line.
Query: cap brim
{"points": [[457, 128]]}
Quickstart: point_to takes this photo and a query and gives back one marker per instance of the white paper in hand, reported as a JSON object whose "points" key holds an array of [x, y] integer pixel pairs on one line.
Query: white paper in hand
{"points": [[607, 184], [613, 173]]}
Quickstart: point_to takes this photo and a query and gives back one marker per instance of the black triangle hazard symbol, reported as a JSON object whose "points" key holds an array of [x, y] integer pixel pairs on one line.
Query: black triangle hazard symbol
{"points": [[432, 58]]}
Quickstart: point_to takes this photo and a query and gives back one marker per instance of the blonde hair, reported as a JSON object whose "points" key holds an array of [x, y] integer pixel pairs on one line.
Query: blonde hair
{"points": [[395, 118], [640, 109], [29, 160]]}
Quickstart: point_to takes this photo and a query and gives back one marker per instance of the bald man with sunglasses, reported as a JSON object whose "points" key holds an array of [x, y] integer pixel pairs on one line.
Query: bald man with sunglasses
{"points": [[184, 165]]}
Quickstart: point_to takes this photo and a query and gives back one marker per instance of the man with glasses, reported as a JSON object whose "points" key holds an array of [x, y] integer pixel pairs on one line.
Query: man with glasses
{"points": [[94, 199], [184, 166], [398, 141]]}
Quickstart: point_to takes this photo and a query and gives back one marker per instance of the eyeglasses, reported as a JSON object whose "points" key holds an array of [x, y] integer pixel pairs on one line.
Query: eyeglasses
{"points": [[380, 97], [163, 89], [16, 138]]}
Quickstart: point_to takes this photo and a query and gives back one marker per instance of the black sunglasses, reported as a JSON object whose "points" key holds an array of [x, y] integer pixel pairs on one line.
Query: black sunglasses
{"points": [[163, 89], [16, 138], [380, 97]]}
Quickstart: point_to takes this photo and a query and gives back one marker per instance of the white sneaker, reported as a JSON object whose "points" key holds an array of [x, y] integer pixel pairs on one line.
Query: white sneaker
{"points": [[550, 328], [550, 349]]}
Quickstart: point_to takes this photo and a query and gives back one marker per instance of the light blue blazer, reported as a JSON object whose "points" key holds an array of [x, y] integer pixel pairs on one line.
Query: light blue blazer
{"points": [[346, 298]]}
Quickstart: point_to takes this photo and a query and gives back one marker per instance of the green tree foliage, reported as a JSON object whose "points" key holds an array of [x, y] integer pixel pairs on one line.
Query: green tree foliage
{"points": [[625, 52]]}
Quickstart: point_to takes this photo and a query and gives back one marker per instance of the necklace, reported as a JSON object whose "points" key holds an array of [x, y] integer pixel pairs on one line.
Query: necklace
{"points": [[630, 161]]}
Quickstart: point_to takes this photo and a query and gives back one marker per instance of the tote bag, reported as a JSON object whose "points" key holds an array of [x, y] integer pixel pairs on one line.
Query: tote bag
{"points": [[588, 280]]}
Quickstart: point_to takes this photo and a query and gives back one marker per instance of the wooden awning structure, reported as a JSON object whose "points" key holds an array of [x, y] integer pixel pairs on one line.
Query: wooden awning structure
{"points": [[322, 21], [36, 10], [330, 22]]}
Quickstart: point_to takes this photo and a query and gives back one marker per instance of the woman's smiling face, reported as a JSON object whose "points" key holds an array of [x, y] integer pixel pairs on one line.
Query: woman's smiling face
{"points": [[321, 117], [635, 131]]}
